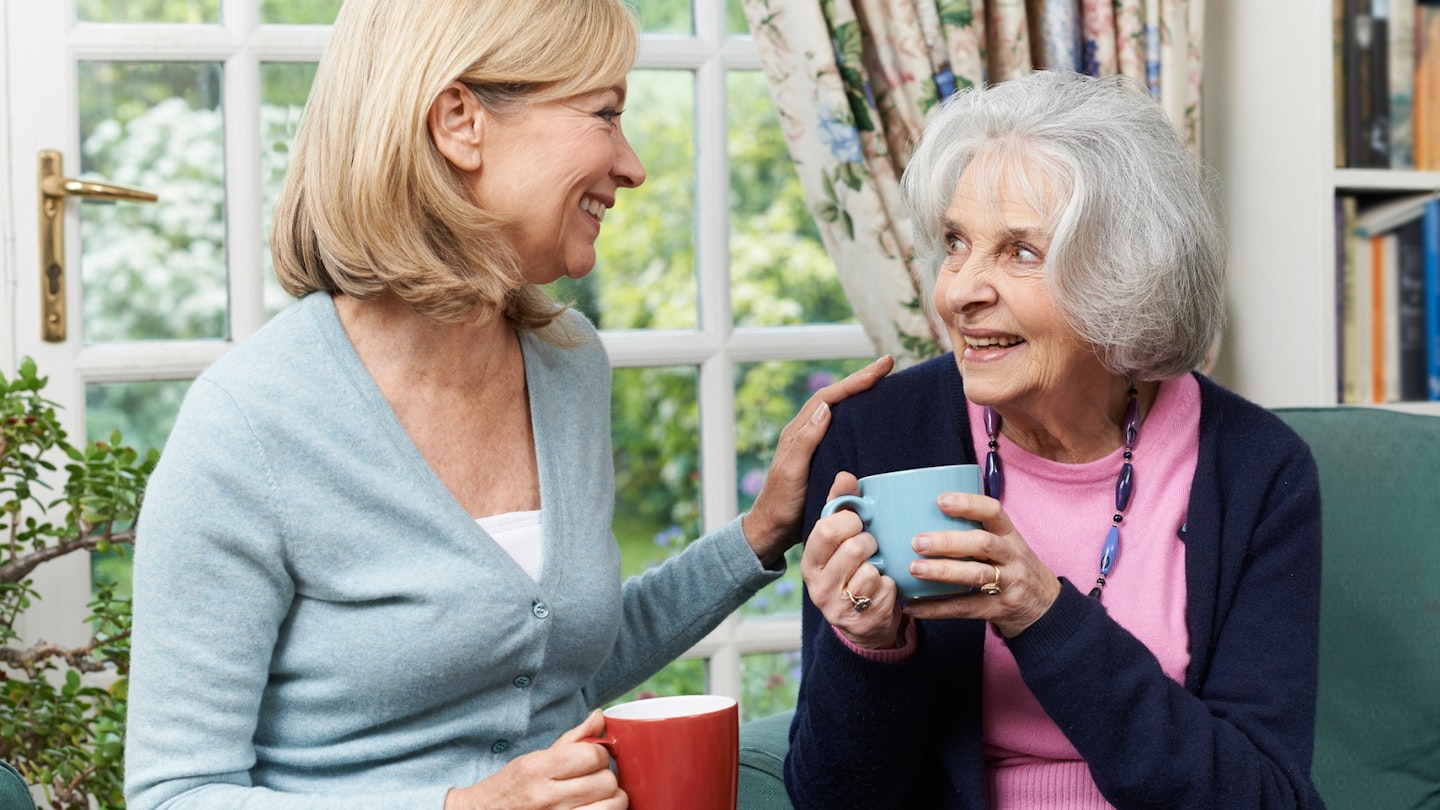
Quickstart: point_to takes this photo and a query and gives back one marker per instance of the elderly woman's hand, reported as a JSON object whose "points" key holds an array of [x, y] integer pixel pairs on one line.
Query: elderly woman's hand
{"points": [[837, 574], [772, 525], [1027, 587]]}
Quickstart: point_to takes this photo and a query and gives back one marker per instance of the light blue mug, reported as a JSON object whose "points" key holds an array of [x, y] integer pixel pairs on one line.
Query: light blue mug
{"points": [[896, 506]]}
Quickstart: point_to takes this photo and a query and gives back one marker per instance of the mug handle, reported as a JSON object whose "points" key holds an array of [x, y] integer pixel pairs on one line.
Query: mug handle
{"points": [[862, 507]]}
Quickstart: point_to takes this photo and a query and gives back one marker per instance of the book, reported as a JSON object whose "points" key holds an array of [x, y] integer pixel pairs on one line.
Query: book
{"points": [[1391, 214], [1402, 83], [1344, 216], [1362, 339], [1337, 34], [1377, 126], [1350, 370], [1410, 313], [1385, 309], [1432, 299], [1375, 322], [1426, 102], [1344, 213], [1359, 89]]}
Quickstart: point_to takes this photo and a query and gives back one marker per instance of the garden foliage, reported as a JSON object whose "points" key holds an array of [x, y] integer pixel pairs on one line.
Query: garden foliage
{"points": [[62, 708]]}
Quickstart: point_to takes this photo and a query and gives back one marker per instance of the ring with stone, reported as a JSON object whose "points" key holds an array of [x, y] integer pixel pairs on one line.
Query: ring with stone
{"points": [[859, 603]]}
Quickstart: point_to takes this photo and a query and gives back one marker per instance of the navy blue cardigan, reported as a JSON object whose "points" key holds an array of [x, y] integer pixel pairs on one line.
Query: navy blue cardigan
{"points": [[1239, 733]]}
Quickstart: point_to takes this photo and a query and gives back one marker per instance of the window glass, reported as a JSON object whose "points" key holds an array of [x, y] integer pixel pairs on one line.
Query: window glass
{"points": [[780, 273], [299, 12], [665, 16], [644, 276], [767, 396], [735, 23], [143, 413], [284, 86], [655, 417], [770, 683], [154, 271], [148, 11], [690, 676]]}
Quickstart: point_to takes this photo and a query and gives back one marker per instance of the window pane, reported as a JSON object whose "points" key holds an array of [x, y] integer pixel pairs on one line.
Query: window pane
{"points": [[770, 683], [665, 16], [735, 23], [284, 86], [143, 413], [688, 677], [779, 271], [148, 11], [154, 271], [299, 12], [655, 428], [767, 396], [644, 276]]}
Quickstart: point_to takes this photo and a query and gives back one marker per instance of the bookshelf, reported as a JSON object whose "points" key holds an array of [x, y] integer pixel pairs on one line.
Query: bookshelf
{"points": [[1269, 130]]}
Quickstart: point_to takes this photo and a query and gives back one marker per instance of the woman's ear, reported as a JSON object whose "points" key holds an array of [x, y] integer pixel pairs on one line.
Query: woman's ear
{"points": [[456, 122]]}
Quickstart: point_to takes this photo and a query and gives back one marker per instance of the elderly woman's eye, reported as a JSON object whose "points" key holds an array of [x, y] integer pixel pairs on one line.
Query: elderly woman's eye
{"points": [[610, 114], [1025, 254], [954, 244]]}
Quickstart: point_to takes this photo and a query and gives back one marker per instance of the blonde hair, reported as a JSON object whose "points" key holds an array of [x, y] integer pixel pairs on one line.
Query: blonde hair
{"points": [[370, 206]]}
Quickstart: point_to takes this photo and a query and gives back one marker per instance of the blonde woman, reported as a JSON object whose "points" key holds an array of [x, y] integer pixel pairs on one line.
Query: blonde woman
{"points": [[375, 566]]}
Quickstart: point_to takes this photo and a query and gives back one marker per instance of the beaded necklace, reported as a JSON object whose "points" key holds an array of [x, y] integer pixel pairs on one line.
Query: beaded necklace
{"points": [[1124, 484]]}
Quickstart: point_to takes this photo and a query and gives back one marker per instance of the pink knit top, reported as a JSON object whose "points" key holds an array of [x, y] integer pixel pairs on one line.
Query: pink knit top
{"points": [[1063, 511]]}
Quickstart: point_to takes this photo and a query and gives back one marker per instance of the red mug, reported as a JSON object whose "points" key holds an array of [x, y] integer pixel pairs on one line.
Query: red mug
{"points": [[676, 752]]}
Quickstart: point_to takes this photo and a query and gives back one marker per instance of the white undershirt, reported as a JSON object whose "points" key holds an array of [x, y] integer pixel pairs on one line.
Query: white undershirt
{"points": [[519, 533]]}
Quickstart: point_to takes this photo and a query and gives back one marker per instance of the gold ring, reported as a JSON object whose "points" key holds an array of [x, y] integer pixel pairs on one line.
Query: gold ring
{"points": [[992, 588], [859, 603]]}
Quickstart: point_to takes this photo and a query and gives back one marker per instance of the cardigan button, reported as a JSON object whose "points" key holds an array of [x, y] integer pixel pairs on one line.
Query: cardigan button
{"points": [[541, 610], [500, 746], [522, 681]]}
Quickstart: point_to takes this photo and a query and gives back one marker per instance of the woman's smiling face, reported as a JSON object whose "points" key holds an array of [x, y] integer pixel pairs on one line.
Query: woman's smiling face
{"points": [[1012, 343], [553, 170]]}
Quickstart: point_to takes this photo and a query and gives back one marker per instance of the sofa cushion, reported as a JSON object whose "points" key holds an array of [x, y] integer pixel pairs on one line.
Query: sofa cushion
{"points": [[763, 744], [1377, 735], [14, 795]]}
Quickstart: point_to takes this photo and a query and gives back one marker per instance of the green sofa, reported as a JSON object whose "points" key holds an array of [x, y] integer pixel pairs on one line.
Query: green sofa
{"points": [[14, 795], [1377, 731]]}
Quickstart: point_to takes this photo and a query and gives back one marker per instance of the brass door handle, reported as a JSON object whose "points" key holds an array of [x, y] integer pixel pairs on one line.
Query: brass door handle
{"points": [[54, 188]]}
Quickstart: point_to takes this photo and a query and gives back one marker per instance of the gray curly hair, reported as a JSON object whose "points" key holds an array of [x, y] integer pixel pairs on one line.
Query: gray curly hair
{"points": [[1137, 255]]}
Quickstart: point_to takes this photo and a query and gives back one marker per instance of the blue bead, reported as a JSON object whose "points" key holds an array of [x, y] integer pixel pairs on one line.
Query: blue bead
{"points": [[1132, 421], [1124, 485], [994, 479], [1110, 551]]}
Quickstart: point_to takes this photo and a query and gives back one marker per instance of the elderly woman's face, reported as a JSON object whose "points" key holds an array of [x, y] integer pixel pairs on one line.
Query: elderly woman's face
{"points": [[554, 170], [1011, 342]]}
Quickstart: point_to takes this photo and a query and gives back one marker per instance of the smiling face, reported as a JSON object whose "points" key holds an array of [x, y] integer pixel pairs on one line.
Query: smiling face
{"points": [[553, 170], [1013, 345]]}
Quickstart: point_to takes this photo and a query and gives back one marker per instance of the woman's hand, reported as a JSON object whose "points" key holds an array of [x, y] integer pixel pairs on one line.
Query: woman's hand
{"points": [[569, 774], [1027, 586], [772, 525], [836, 575]]}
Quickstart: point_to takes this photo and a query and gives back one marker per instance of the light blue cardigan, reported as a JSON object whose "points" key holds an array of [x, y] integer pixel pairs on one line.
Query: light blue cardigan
{"points": [[319, 624]]}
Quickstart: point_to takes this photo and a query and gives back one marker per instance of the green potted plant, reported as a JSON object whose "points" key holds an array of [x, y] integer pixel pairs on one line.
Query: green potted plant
{"points": [[62, 709]]}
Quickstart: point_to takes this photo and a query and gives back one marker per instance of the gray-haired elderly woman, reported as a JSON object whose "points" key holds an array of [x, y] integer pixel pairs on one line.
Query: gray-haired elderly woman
{"points": [[1145, 630]]}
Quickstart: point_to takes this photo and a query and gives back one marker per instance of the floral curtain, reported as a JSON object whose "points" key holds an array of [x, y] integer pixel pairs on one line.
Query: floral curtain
{"points": [[853, 80]]}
